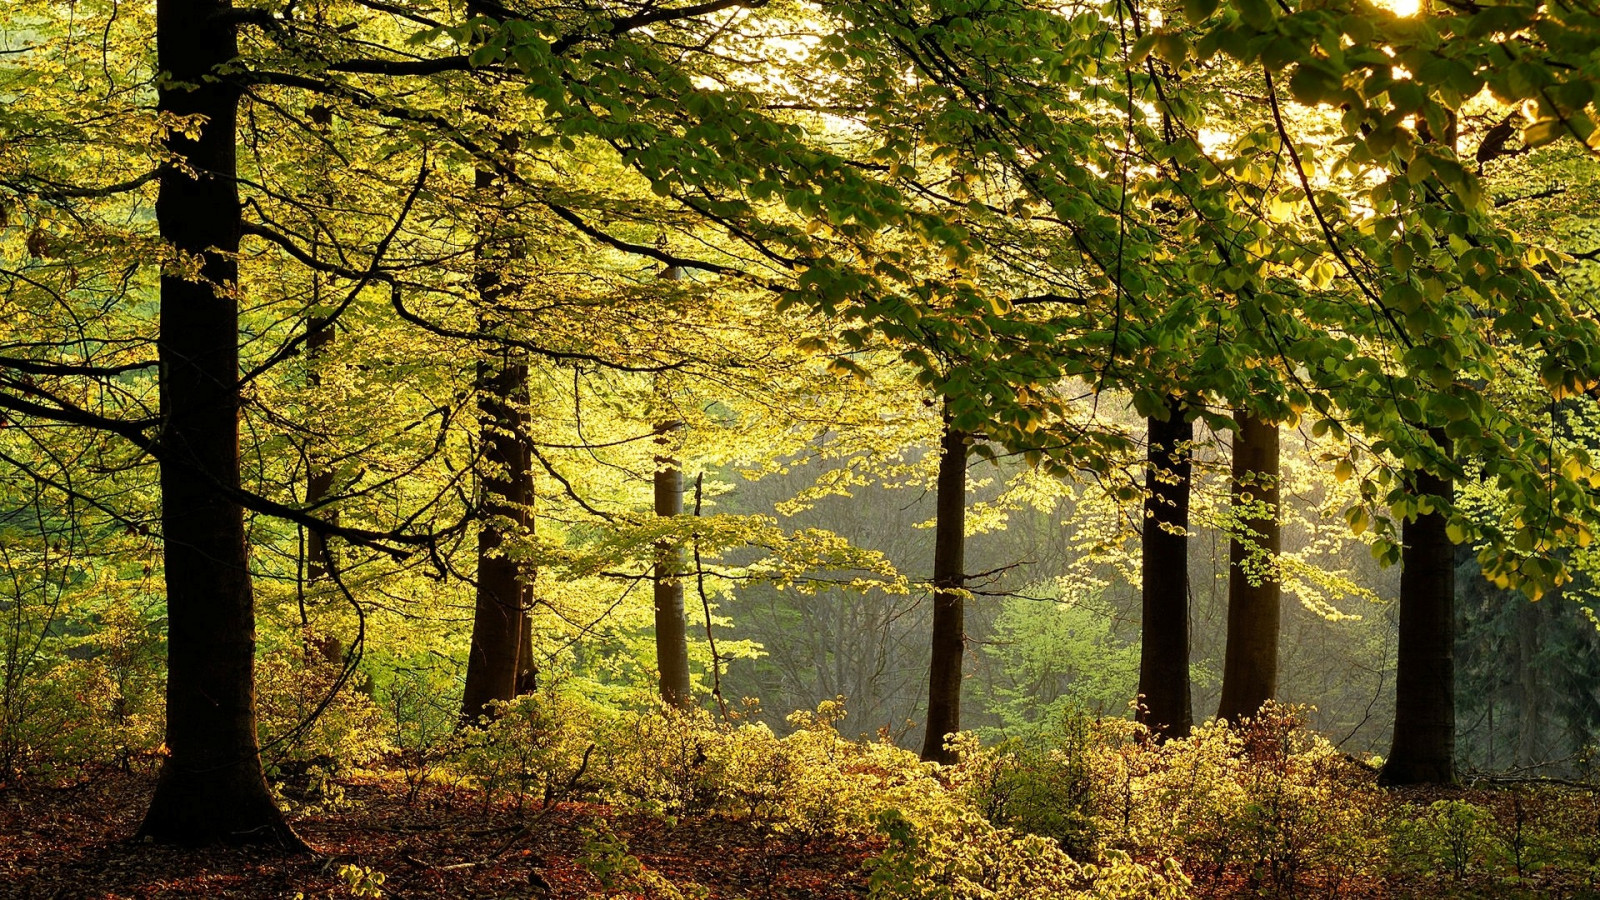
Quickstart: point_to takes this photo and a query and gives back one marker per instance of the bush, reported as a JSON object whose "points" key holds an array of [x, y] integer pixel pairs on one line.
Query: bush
{"points": [[1040, 785], [1267, 798], [536, 745], [305, 724], [961, 856], [70, 702]]}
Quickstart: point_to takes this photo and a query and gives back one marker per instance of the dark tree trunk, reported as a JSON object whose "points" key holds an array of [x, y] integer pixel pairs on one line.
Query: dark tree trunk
{"points": [[1529, 726], [498, 613], [949, 574], [672, 635], [319, 477], [1425, 677], [527, 666], [211, 788], [1250, 664], [495, 663], [1164, 651]]}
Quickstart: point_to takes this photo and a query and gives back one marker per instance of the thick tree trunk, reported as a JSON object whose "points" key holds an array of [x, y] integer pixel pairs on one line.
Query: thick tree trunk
{"points": [[495, 663], [1164, 651], [949, 575], [1425, 677], [498, 613], [211, 788], [672, 636], [1250, 663]]}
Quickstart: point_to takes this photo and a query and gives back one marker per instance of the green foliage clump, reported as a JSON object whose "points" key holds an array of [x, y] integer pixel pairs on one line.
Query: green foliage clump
{"points": [[310, 718], [959, 855], [1040, 785], [621, 874], [1267, 797], [536, 745], [1534, 838], [83, 690]]}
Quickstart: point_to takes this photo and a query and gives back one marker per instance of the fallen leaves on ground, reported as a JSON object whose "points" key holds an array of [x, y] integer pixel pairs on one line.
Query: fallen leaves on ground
{"points": [[74, 842]]}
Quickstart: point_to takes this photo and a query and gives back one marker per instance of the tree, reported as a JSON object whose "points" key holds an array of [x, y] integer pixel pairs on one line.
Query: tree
{"points": [[1164, 565], [1425, 707], [211, 787], [672, 640], [1250, 665], [949, 595], [497, 661]]}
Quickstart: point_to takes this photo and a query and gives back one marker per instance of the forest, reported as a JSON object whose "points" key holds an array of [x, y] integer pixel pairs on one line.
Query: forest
{"points": [[794, 450]]}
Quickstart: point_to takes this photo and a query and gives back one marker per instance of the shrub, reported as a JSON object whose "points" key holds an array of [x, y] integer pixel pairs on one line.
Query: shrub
{"points": [[306, 723], [535, 745], [71, 701], [1267, 798], [1040, 785], [961, 856]]}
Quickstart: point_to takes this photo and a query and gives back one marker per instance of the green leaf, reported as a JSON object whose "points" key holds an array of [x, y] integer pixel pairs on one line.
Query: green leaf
{"points": [[1197, 11]]}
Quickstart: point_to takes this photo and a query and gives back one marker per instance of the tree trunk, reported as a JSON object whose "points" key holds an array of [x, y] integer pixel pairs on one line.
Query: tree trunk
{"points": [[1164, 651], [672, 636], [211, 788], [672, 626], [1250, 663], [527, 666], [495, 662], [319, 484], [1529, 726], [319, 478], [1425, 706], [949, 574]]}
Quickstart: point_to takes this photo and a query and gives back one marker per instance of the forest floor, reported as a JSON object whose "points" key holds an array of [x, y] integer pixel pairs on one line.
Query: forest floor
{"points": [[74, 842]]}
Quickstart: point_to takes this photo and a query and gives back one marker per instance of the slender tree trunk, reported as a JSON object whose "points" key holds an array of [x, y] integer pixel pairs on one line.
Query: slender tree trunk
{"points": [[672, 626], [211, 788], [1528, 720], [1250, 664], [949, 574], [1164, 651], [672, 636], [1425, 678], [319, 482], [319, 478], [495, 663], [527, 666]]}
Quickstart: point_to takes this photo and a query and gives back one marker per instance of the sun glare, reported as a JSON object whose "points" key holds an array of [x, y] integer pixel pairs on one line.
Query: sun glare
{"points": [[1402, 8]]}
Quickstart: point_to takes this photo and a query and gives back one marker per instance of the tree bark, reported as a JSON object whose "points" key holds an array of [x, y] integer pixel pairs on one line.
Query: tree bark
{"points": [[319, 478], [319, 484], [495, 656], [495, 662], [1423, 751], [949, 574], [1250, 663], [527, 666], [1164, 650], [211, 788], [672, 635]]}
